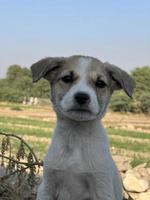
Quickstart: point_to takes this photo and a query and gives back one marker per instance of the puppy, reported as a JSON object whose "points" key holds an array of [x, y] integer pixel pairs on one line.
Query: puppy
{"points": [[78, 164]]}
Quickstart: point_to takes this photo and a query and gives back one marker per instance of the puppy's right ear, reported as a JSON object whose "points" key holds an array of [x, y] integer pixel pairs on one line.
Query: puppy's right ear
{"points": [[41, 68]]}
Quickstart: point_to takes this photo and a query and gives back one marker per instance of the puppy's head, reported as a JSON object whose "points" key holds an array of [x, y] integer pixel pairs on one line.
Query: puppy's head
{"points": [[81, 86]]}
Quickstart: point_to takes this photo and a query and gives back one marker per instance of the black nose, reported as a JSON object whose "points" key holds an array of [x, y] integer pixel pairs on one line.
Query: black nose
{"points": [[82, 98]]}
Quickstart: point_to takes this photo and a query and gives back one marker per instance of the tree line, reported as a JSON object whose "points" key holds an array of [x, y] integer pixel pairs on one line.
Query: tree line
{"points": [[18, 84]]}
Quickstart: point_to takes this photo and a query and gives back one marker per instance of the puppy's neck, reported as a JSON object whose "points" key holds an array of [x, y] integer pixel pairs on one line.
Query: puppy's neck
{"points": [[81, 128], [78, 146]]}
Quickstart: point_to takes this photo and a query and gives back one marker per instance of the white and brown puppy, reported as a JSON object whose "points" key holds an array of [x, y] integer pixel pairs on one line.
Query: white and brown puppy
{"points": [[78, 164]]}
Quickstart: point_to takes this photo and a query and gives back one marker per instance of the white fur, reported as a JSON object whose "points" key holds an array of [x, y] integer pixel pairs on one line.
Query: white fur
{"points": [[83, 65], [95, 159], [81, 86]]}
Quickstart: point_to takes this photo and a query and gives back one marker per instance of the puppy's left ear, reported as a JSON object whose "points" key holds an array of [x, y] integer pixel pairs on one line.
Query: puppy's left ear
{"points": [[41, 68], [122, 79]]}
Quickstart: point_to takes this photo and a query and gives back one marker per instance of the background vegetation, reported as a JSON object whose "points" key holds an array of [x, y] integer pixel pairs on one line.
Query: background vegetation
{"points": [[35, 124], [141, 98], [18, 84], [128, 134]]}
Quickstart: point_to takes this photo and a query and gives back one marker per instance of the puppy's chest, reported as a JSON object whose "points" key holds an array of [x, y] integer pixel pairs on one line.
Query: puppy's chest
{"points": [[78, 159], [73, 157], [66, 158], [72, 186]]}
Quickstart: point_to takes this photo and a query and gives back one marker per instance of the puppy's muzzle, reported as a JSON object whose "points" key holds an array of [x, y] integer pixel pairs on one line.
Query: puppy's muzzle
{"points": [[82, 98]]}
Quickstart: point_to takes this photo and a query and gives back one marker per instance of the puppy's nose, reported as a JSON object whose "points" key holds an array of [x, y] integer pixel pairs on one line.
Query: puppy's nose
{"points": [[82, 98]]}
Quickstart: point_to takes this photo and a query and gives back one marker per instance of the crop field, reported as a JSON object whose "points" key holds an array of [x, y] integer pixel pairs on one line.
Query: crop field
{"points": [[129, 134]]}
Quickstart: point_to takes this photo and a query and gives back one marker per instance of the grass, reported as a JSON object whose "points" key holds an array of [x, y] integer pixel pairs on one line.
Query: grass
{"points": [[139, 160], [43, 129], [8, 124], [27, 107], [127, 133], [129, 145], [26, 131], [16, 107], [40, 149], [26, 121]]}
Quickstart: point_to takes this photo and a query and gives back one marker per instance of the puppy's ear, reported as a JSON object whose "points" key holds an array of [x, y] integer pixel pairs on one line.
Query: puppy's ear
{"points": [[122, 79], [41, 68]]}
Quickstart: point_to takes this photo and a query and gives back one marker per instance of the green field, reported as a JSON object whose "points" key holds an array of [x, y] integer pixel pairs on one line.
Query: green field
{"points": [[37, 133]]}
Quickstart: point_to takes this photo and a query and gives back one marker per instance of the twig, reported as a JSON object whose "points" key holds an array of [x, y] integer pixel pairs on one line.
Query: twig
{"points": [[12, 173], [39, 163], [13, 135], [31, 162]]}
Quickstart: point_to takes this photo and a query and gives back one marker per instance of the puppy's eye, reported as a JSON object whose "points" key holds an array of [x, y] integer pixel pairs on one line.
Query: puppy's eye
{"points": [[101, 84], [67, 78]]}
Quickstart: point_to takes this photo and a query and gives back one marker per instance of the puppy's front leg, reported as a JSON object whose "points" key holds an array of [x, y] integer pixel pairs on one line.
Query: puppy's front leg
{"points": [[44, 192], [104, 187]]}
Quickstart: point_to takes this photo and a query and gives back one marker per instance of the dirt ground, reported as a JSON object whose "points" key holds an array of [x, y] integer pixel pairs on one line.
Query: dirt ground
{"points": [[127, 121], [137, 122]]}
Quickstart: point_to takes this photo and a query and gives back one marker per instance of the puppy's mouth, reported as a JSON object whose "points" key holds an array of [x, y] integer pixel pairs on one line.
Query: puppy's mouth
{"points": [[79, 113], [80, 110]]}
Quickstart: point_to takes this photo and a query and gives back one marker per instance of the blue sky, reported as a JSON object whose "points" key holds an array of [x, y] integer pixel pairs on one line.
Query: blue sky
{"points": [[117, 31]]}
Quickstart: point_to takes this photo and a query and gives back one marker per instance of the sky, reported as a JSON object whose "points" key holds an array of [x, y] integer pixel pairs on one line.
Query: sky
{"points": [[117, 31]]}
